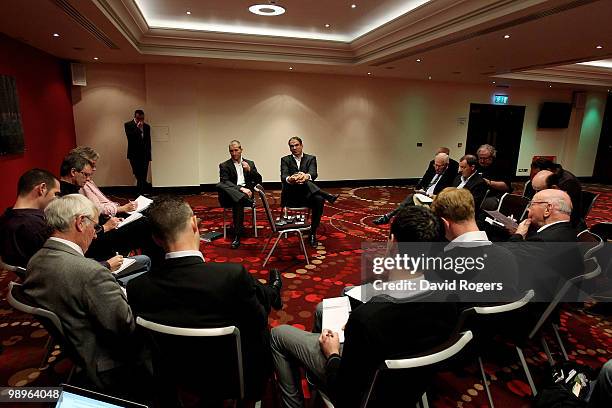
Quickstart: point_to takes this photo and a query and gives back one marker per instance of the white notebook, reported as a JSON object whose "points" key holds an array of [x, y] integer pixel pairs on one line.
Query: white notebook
{"points": [[335, 314], [142, 204], [133, 217], [126, 263]]}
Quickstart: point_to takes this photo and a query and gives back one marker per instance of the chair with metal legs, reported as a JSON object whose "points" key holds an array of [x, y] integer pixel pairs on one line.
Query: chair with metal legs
{"points": [[280, 228]]}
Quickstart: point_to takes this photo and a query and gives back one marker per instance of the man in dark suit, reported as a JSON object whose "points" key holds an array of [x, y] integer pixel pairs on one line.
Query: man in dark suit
{"points": [[561, 179], [469, 179], [298, 172], [237, 178], [494, 173], [185, 291], [439, 174], [139, 149]]}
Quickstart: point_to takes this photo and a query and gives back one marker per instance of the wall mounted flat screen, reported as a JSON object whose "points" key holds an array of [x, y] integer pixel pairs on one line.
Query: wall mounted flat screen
{"points": [[554, 115]]}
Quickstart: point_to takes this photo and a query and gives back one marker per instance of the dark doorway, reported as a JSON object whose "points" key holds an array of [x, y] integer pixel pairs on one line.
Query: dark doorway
{"points": [[602, 172], [500, 126]]}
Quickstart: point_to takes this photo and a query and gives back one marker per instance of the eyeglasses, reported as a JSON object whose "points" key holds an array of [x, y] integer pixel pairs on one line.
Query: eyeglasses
{"points": [[531, 203], [97, 227], [85, 173]]}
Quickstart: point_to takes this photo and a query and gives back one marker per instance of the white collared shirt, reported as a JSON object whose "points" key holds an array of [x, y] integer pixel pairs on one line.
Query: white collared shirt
{"points": [[183, 254], [464, 181], [240, 171], [69, 243], [543, 227], [434, 182], [298, 160], [474, 238]]}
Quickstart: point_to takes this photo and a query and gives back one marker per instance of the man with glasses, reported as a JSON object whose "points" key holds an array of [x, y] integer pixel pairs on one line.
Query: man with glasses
{"points": [[498, 179], [545, 179], [90, 304], [439, 174]]}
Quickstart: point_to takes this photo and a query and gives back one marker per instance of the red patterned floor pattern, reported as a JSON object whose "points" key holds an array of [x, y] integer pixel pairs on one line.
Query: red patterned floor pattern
{"points": [[335, 264]]}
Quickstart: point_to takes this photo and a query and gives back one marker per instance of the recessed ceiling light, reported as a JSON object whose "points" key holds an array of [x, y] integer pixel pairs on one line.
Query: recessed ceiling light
{"points": [[55, 34], [326, 25], [507, 36], [353, 5], [418, 60], [188, 13], [599, 47], [429, 77], [493, 81], [550, 86], [267, 9], [290, 68], [369, 73], [96, 58]]}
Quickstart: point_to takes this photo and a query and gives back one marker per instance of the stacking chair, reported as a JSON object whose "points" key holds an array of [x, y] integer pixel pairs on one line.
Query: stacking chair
{"points": [[227, 207], [280, 229], [526, 189], [200, 345], [589, 243], [587, 199], [50, 321], [486, 321], [399, 367], [513, 205]]}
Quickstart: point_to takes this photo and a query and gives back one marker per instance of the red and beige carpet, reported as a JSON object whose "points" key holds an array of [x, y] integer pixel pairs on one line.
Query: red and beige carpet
{"points": [[334, 264]]}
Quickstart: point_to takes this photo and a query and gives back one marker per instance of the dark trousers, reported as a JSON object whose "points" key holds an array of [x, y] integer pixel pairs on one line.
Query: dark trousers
{"points": [[230, 196], [140, 168]]}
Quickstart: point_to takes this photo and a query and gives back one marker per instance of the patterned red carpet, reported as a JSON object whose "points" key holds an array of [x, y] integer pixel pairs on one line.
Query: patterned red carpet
{"points": [[335, 264]]}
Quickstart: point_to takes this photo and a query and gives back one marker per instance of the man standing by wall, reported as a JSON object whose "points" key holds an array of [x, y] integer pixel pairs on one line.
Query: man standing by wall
{"points": [[139, 149]]}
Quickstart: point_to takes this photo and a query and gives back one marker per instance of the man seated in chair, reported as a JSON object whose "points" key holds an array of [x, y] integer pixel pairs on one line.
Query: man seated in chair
{"points": [[237, 178], [388, 325], [185, 291], [497, 178], [298, 173], [469, 179], [546, 179], [440, 174], [92, 307]]}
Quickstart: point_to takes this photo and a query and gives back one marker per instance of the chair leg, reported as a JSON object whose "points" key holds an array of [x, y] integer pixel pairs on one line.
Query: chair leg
{"points": [[266, 245], [224, 226], [303, 246], [484, 382], [273, 248], [551, 360], [561, 346], [255, 222], [527, 372], [424, 402], [48, 346]]}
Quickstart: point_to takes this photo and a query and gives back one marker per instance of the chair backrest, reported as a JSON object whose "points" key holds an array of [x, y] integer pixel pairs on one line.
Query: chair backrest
{"points": [[587, 199], [589, 243], [507, 307], [526, 189], [22, 302], [513, 205], [429, 358], [264, 201], [230, 335], [592, 269], [603, 230]]}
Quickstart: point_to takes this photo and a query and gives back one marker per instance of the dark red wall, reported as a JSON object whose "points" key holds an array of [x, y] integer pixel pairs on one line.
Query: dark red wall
{"points": [[46, 113]]}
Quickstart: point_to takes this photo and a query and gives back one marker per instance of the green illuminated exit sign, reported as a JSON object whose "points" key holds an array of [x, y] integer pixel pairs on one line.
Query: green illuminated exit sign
{"points": [[501, 99]]}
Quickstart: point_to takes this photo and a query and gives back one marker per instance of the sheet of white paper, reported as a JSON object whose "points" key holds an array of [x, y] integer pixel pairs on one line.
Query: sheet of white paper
{"points": [[423, 198], [126, 262], [143, 203], [335, 314], [133, 217]]}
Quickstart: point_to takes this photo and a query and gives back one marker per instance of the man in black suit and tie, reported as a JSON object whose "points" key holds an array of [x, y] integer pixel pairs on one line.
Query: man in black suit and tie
{"points": [[185, 291], [298, 171], [439, 174], [139, 149], [237, 178], [470, 180]]}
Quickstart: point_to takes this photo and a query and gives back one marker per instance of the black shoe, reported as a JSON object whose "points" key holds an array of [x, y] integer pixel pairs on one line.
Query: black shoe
{"points": [[383, 219], [313, 240], [236, 242], [332, 198], [275, 281]]}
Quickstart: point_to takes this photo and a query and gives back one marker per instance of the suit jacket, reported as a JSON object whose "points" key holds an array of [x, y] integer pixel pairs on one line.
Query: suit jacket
{"points": [[187, 292], [95, 316], [446, 180], [139, 143], [297, 194], [476, 185], [228, 177]]}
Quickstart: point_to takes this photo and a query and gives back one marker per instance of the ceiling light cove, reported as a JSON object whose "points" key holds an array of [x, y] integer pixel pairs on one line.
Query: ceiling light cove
{"points": [[155, 19], [267, 10], [601, 64]]}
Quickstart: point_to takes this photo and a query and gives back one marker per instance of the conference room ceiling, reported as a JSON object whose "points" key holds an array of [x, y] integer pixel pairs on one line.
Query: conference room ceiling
{"points": [[514, 42]]}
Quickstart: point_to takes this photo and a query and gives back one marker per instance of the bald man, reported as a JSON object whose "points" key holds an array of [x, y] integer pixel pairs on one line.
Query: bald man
{"points": [[545, 179], [549, 214]]}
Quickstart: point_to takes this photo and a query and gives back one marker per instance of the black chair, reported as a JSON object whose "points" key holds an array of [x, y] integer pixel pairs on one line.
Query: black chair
{"points": [[228, 207], [513, 206], [176, 363], [50, 321], [587, 199], [527, 190], [280, 228], [589, 243]]}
